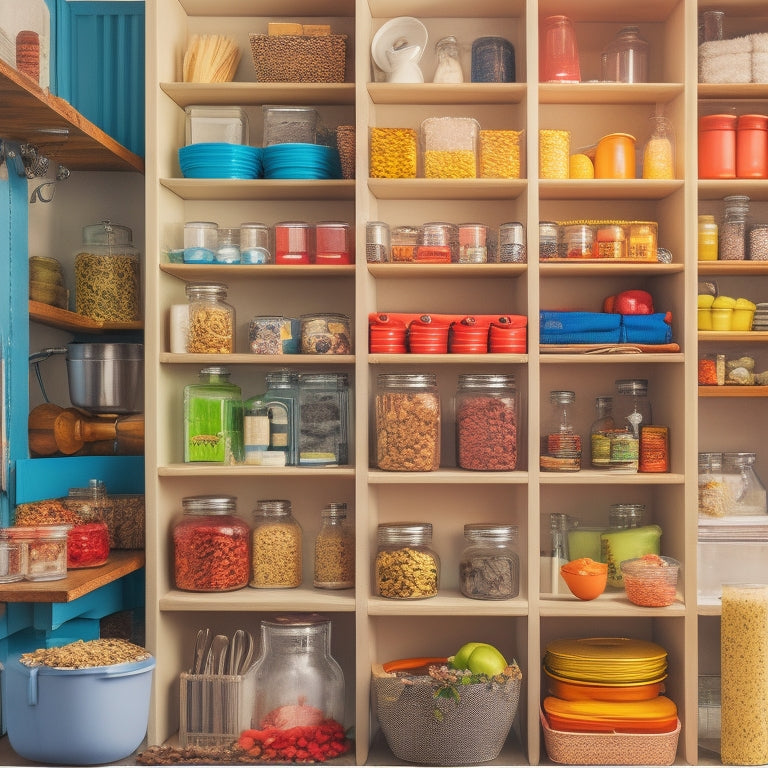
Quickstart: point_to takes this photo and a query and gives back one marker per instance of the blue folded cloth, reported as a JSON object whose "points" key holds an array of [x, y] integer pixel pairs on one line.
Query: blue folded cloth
{"points": [[646, 329], [604, 328]]}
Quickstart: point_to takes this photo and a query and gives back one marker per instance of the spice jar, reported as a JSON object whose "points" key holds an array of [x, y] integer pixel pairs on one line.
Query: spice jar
{"points": [[107, 274], [493, 60], [708, 238], [405, 241], [437, 243], [746, 494], [407, 422], [489, 568], [377, 242], [335, 549], [323, 419], [548, 240], [659, 151], [733, 231], [448, 63], [88, 538], [276, 551], [511, 247], [487, 422], [211, 545], [633, 411], [211, 321], [713, 493], [752, 147], [213, 418], [200, 242], [406, 566], [561, 449], [473, 243], [296, 680]]}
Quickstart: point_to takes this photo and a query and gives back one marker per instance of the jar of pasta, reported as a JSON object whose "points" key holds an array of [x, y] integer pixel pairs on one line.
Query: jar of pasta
{"points": [[211, 321], [276, 553], [407, 568]]}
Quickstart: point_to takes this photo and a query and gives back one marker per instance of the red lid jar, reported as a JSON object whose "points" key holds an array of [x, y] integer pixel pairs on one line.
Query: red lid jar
{"points": [[293, 242], [386, 335], [468, 336], [427, 336], [717, 147], [752, 147]]}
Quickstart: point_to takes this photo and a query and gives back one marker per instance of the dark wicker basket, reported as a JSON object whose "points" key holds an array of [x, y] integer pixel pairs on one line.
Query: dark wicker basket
{"points": [[299, 58]]}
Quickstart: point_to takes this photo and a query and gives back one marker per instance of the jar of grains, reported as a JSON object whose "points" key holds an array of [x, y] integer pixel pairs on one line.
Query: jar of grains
{"points": [[407, 567], [335, 549], [211, 546], [486, 421], [490, 566], [276, 546], [107, 274], [211, 321], [733, 232], [713, 493], [407, 422]]}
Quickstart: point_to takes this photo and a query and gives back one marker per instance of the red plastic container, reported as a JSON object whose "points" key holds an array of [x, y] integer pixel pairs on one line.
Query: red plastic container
{"points": [[386, 335], [427, 336], [507, 334], [717, 147], [469, 336], [752, 147]]}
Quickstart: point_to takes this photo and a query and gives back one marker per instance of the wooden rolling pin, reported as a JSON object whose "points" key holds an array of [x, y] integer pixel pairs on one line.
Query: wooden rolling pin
{"points": [[73, 429]]}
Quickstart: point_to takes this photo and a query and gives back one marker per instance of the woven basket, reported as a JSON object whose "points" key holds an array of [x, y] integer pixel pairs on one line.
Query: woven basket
{"points": [[299, 58], [423, 729]]}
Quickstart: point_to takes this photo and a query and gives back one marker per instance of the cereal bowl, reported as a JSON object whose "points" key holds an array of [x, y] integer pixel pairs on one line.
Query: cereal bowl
{"points": [[651, 580], [586, 578]]}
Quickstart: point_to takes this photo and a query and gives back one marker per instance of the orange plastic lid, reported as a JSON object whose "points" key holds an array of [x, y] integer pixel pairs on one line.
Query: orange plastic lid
{"points": [[718, 122]]}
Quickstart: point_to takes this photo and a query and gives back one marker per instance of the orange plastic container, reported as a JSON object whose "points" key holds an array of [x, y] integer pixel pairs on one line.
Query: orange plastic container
{"points": [[752, 147], [615, 157], [717, 147]]}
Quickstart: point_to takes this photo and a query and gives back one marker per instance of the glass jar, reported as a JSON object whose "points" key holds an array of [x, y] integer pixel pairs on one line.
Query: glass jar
{"points": [[601, 431], [43, 550], [711, 25], [211, 321], [213, 418], [200, 242], [438, 240], [407, 422], [297, 681], [406, 568], [746, 494], [211, 546], [377, 242], [254, 244], [733, 232], [708, 238], [633, 411], [449, 147], [659, 151], [561, 448], [333, 243], [489, 568], [323, 419], [292, 242], [405, 241], [626, 516], [625, 59], [107, 274], [493, 60], [558, 51], [559, 525], [448, 63], [577, 241], [473, 243], [335, 549], [487, 422], [713, 492], [548, 240], [282, 402], [758, 242], [325, 333], [88, 538], [276, 547], [228, 245], [511, 247]]}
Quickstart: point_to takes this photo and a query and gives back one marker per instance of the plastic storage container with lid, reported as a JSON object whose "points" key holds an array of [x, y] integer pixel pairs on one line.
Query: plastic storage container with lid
{"points": [[493, 60], [326, 333], [108, 274], [717, 146], [333, 242], [215, 124], [489, 568], [746, 493], [487, 422], [659, 150], [227, 245], [293, 242], [200, 240], [254, 243], [210, 320], [334, 549], [438, 243], [323, 419], [211, 545], [276, 546], [625, 58], [752, 147], [626, 515], [406, 566], [449, 146], [273, 335], [43, 550], [289, 125]]}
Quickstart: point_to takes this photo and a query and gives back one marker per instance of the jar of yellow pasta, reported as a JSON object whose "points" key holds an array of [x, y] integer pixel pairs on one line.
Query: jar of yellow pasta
{"points": [[449, 147]]}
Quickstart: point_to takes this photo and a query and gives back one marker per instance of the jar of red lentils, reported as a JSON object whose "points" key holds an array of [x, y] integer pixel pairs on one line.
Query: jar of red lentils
{"points": [[211, 545]]}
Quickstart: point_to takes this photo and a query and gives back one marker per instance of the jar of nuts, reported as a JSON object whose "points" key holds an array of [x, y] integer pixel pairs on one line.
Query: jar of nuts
{"points": [[407, 567], [211, 322], [335, 549], [276, 554]]}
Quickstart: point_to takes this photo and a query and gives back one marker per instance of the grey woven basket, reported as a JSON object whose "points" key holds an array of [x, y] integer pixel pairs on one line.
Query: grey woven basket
{"points": [[423, 729]]}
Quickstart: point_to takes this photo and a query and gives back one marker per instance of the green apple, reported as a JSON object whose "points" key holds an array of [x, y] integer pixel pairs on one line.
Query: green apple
{"points": [[486, 660], [462, 655]]}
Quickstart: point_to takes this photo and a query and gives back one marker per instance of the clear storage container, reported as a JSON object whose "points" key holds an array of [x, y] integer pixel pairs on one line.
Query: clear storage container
{"points": [[746, 493], [489, 568], [254, 244], [43, 550], [211, 320], [406, 567], [335, 549], [561, 445], [293, 242], [449, 147], [326, 333], [215, 124], [625, 59], [200, 240], [276, 546], [289, 125], [712, 490], [323, 419]]}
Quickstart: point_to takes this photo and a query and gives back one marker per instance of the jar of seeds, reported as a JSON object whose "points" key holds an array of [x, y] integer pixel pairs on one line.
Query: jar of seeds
{"points": [[276, 554], [406, 568]]}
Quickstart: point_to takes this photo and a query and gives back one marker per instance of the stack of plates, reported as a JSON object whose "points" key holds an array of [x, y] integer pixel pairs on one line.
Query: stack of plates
{"points": [[734, 528], [301, 161], [760, 319], [219, 160]]}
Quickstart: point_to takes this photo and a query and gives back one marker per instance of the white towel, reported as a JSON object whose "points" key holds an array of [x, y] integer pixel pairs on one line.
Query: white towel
{"points": [[725, 68], [760, 67]]}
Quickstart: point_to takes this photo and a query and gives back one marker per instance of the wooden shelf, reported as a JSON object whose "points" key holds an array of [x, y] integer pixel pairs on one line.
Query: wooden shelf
{"points": [[446, 93], [65, 320], [255, 94], [261, 189], [608, 93], [733, 390], [77, 582], [458, 271], [447, 189], [56, 128], [734, 268], [741, 336], [579, 268], [218, 271]]}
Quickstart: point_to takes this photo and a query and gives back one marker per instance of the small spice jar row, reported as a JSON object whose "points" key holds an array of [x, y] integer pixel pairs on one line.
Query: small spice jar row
{"points": [[408, 568], [609, 239], [733, 236], [216, 550], [439, 242], [286, 242]]}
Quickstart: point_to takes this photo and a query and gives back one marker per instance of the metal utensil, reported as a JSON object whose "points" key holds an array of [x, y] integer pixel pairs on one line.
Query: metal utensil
{"points": [[201, 648], [219, 647]]}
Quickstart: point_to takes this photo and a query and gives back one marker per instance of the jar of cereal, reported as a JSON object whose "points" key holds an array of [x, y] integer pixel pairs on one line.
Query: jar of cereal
{"points": [[276, 557], [211, 321], [335, 549], [407, 567]]}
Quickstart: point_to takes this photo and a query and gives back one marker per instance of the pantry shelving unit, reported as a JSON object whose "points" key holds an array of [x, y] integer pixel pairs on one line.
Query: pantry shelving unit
{"points": [[367, 629]]}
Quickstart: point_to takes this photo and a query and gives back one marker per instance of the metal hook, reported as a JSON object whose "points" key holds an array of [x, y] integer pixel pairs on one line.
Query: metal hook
{"points": [[37, 193]]}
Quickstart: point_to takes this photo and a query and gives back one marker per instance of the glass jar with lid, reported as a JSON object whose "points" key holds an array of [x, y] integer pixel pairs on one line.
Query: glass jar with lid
{"points": [[633, 411], [335, 549], [448, 63], [211, 545], [487, 422], [406, 566], [489, 568], [601, 431], [707, 237], [659, 150], [296, 679], [625, 59], [407, 422], [561, 444], [323, 419], [254, 243], [746, 493], [493, 60], [733, 230], [200, 239], [276, 545], [713, 493], [549, 239], [107, 274], [626, 515], [88, 538], [210, 320]]}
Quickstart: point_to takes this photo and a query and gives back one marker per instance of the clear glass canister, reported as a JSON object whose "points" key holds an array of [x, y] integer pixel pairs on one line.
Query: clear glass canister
{"points": [[200, 239], [88, 538], [489, 568], [377, 242], [326, 333], [43, 550], [626, 515], [335, 549], [213, 418], [438, 243], [561, 445], [406, 567], [511, 246], [211, 545], [577, 241], [707, 237], [254, 244], [293, 242], [448, 63], [659, 150], [323, 419], [405, 241], [282, 401], [276, 546], [211, 320], [473, 243], [296, 679], [601, 431], [449, 146], [713, 492], [625, 59], [333, 242], [228, 245], [108, 275], [733, 230], [633, 411], [407, 422], [487, 422], [746, 493], [548, 240]]}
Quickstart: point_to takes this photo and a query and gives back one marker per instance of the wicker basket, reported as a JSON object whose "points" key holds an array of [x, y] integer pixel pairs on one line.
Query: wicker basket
{"points": [[423, 729], [299, 58]]}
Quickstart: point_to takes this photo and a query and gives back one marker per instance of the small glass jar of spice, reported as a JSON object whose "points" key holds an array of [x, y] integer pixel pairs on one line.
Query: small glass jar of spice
{"points": [[276, 546], [407, 567], [490, 566], [211, 545], [335, 549]]}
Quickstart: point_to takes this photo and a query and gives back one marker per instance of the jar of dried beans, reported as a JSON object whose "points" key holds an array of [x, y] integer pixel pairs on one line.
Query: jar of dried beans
{"points": [[490, 566], [211, 321], [486, 421], [406, 565], [211, 546], [407, 422], [275, 545], [335, 549]]}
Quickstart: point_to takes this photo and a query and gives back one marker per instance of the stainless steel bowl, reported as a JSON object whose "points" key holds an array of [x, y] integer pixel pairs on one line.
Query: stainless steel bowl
{"points": [[106, 378]]}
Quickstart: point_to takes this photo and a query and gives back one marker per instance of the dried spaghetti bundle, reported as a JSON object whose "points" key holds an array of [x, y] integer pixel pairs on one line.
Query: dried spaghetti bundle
{"points": [[210, 59]]}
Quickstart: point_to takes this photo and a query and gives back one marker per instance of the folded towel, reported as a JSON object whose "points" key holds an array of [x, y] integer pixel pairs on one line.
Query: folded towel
{"points": [[726, 61], [759, 42], [760, 66], [581, 337], [647, 329], [568, 322]]}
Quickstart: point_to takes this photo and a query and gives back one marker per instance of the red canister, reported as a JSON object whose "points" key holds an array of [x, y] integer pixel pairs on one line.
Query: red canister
{"points": [[386, 335], [428, 335], [468, 336], [752, 147], [717, 147]]}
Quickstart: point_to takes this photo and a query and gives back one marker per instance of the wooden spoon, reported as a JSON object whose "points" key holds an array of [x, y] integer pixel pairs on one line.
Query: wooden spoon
{"points": [[42, 441]]}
